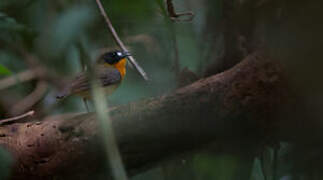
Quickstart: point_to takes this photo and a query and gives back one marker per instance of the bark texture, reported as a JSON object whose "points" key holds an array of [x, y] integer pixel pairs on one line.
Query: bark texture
{"points": [[243, 103]]}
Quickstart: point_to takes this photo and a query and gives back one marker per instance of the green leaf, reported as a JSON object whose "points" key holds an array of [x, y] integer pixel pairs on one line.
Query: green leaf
{"points": [[4, 70]]}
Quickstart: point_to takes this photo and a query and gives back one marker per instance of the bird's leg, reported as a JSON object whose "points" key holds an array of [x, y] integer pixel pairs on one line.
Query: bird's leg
{"points": [[86, 104]]}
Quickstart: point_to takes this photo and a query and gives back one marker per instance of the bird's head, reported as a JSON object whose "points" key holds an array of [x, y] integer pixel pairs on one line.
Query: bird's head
{"points": [[113, 58], [116, 59]]}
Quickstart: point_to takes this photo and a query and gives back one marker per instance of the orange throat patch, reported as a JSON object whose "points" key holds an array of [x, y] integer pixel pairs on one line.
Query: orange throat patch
{"points": [[121, 66]]}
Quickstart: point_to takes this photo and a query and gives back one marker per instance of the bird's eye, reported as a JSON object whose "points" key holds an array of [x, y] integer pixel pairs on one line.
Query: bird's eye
{"points": [[115, 56]]}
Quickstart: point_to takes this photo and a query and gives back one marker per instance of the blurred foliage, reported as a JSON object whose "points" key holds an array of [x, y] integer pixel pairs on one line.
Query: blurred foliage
{"points": [[5, 165], [4, 70], [54, 31], [77, 19], [211, 166]]}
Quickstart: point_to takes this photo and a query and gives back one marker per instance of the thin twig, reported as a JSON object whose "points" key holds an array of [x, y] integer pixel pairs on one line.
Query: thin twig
{"points": [[33, 98], [36, 71], [20, 77], [175, 45], [175, 16], [118, 40], [171, 13], [30, 113]]}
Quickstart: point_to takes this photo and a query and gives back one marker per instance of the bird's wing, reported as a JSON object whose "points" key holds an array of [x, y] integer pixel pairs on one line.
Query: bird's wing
{"points": [[107, 76], [80, 84]]}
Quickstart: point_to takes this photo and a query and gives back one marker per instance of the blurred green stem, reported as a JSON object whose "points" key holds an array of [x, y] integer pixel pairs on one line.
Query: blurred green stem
{"points": [[107, 134], [275, 163]]}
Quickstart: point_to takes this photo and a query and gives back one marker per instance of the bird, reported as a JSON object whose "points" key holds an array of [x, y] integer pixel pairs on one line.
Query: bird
{"points": [[110, 70]]}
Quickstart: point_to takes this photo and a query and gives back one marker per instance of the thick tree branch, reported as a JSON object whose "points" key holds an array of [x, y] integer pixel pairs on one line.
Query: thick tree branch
{"points": [[241, 103]]}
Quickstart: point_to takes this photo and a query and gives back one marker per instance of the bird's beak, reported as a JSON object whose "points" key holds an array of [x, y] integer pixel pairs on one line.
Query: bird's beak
{"points": [[126, 53]]}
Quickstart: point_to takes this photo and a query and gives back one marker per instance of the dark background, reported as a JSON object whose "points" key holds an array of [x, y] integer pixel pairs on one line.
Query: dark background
{"points": [[58, 34]]}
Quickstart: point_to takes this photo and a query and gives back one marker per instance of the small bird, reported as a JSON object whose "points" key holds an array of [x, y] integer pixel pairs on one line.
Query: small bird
{"points": [[110, 70]]}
